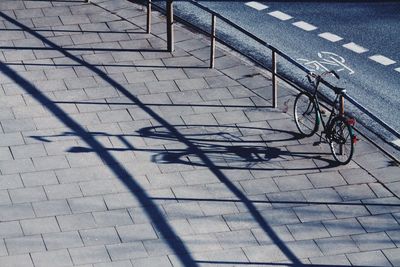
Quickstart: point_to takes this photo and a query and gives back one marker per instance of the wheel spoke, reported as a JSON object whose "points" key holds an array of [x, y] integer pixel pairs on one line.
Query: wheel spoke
{"points": [[305, 114], [341, 143]]}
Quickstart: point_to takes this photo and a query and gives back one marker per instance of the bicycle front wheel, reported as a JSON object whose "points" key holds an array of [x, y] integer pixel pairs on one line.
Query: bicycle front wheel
{"points": [[305, 114], [341, 140]]}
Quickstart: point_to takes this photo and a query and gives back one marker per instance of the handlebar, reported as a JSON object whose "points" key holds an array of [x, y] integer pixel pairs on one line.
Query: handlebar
{"points": [[335, 74], [318, 78]]}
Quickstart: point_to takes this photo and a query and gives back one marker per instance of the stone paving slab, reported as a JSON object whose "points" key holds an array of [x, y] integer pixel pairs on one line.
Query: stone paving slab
{"points": [[116, 153]]}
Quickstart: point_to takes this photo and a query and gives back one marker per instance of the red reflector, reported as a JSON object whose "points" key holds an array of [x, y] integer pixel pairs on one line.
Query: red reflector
{"points": [[351, 121], [355, 139]]}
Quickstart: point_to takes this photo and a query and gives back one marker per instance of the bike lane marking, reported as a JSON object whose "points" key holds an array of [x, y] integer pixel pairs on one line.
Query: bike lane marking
{"points": [[330, 37], [256, 5], [382, 60], [280, 15], [355, 48], [326, 35], [326, 61], [305, 26]]}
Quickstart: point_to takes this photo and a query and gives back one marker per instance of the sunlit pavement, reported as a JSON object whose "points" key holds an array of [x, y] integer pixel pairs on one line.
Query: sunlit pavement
{"points": [[114, 152]]}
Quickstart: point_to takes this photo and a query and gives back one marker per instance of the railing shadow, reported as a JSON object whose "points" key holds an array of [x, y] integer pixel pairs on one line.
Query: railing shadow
{"points": [[333, 203], [283, 1], [151, 208], [92, 49], [153, 212], [60, 1], [240, 263], [78, 31], [116, 65], [163, 105]]}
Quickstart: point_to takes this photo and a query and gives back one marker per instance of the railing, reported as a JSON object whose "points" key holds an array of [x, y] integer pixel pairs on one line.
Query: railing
{"points": [[275, 52]]}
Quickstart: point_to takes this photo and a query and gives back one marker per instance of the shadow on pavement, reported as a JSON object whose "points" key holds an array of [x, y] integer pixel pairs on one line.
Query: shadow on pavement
{"points": [[222, 145], [176, 244], [153, 212]]}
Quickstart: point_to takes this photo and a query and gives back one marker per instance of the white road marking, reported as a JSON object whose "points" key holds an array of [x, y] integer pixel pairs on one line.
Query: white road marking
{"points": [[304, 26], [280, 15], [396, 142], [256, 5], [330, 37], [382, 60], [397, 69], [326, 62], [355, 48]]}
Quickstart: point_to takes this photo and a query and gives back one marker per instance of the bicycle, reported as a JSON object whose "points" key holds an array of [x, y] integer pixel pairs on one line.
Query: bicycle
{"points": [[338, 130]]}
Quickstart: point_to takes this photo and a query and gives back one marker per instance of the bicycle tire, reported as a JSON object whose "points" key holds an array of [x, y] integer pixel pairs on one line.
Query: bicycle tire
{"points": [[341, 140], [305, 114]]}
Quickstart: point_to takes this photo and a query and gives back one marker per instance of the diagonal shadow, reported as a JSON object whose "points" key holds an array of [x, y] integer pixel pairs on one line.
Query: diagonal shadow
{"points": [[177, 245], [174, 242], [151, 209]]}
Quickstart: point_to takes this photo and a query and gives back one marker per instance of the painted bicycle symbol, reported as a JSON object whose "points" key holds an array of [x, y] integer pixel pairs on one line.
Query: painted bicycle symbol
{"points": [[326, 62]]}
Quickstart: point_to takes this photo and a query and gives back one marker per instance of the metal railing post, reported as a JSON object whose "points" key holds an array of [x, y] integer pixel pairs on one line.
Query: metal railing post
{"points": [[212, 35], [341, 112], [170, 26], [148, 29], [274, 80]]}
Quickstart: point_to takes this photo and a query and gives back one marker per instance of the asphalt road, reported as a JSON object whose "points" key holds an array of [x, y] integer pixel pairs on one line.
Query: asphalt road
{"points": [[361, 41]]}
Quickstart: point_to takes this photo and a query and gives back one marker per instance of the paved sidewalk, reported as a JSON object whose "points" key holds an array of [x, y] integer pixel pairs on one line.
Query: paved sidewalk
{"points": [[116, 153]]}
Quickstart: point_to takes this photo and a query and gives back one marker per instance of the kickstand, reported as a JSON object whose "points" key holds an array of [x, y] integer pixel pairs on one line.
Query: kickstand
{"points": [[317, 143]]}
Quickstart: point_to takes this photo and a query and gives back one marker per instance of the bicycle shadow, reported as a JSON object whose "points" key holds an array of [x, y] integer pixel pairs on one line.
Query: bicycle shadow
{"points": [[177, 245], [229, 149], [225, 146]]}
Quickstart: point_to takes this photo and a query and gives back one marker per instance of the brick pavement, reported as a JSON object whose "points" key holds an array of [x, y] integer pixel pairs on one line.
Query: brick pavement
{"points": [[116, 153]]}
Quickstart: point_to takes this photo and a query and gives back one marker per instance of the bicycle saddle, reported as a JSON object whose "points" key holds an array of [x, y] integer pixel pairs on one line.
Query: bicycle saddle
{"points": [[339, 90]]}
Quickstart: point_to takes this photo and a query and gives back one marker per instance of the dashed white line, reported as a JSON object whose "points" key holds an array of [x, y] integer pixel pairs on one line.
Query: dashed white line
{"points": [[330, 37], [305, 26], [396, 142], [355, 48], [280, 15], [385, 61], [256, 5]]}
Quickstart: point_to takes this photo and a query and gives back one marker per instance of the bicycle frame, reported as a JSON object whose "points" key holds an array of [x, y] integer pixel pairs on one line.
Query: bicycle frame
{"points": [[337, 129], [326, 124]]}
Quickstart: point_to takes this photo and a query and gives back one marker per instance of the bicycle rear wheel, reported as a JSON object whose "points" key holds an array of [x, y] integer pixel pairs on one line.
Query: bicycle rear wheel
{"points": [[341, 140], [305, 114]]}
